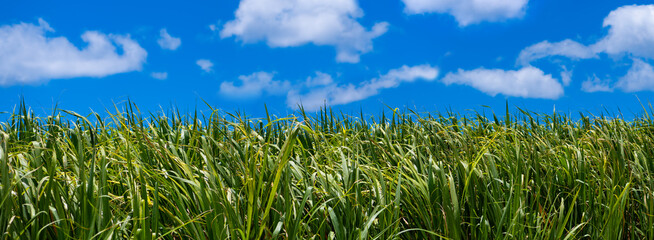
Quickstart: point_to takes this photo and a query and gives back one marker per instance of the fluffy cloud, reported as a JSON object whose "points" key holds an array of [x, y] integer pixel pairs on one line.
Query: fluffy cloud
{"points": [[468, 12], [289, 23], [332, 94], [159, 75], [254, 85], [528, 82], [28, 56], [639, 78], [168, 42], [631, 32], [205, 64]]}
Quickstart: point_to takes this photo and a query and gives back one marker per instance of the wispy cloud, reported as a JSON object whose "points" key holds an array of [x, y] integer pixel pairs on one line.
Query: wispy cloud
{"points": [[205, 65], [566, 76], [159, 75], [290, 23], [254, 85], [330, 93], [28, 56], [468, 12], [566, 48], [595, 84]]}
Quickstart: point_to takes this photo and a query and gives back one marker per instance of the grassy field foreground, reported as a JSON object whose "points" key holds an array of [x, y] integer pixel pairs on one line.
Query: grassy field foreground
{"points": [[406, 176]]}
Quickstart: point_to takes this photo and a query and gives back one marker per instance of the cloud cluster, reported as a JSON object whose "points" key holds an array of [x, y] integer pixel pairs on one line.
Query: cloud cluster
{"points": [[630, 34], [640, 77], [528, 82], [321, 89], [168, 42], [286, 23], [29, 56], [468, 12], [289, 23]]}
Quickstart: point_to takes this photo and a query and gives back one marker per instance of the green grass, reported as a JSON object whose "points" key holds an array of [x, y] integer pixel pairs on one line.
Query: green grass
{"points": [[330, 176]]}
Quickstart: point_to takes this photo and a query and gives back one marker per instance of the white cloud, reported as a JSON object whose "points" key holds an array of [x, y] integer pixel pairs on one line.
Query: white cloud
{"points": [[168, 42], [595, 84], [631, 30], [205, 64], [468, 12], [332, 94], [566, 48], [290, 23], [28, 56], [254, 85], [528, 82], [639, 78], [159, 75]]}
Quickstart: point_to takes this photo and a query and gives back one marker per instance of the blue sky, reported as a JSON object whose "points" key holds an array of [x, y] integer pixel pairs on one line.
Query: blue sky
{"points": [[426, 54]]}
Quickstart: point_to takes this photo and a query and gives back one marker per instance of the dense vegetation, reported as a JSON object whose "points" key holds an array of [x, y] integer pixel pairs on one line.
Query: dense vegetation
{"points": [[326, 176]]}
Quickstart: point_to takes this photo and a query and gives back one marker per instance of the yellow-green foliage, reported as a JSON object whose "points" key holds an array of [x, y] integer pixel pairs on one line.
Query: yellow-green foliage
{"points": [[406, 176]]}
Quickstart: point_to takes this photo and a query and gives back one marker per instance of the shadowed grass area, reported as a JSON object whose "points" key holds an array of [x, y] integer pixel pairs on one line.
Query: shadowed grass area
{"points": [[405, 176]]}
